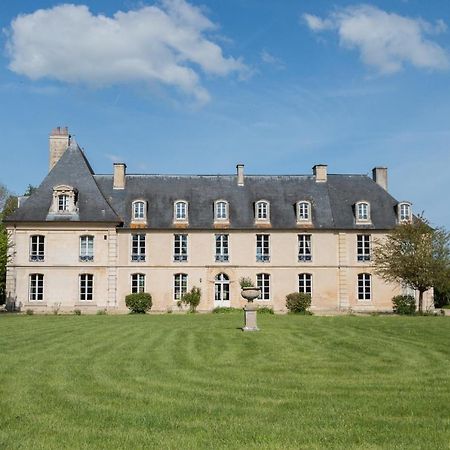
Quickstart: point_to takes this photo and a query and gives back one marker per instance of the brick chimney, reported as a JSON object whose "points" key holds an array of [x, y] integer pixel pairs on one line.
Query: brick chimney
{"points": [[58, 142], [320, 173], [380, 176], [240, 174], [120, 171]]}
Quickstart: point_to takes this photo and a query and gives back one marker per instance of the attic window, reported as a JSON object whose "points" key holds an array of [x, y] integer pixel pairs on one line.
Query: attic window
{"points": [[404, 212], [221, 210], [362, 210], [304, 212], [181, 211], [65, 200], [262, 211], [139, 210]]}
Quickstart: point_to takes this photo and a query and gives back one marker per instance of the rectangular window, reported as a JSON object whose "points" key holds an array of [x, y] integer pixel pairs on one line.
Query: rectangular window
{"points": [[363, 247], [36, 287], [137, 283], [364, 286], [222, 248], [305, 283], [37, 248], [304, 247], [63, 202], [86, 287], [138, 247], [179, 285], [263, 282], [180, 250], [87, 248], [262, 248]]}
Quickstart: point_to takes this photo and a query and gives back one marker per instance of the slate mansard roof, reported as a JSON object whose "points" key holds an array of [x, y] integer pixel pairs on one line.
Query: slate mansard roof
{"points": [[332, 201]]}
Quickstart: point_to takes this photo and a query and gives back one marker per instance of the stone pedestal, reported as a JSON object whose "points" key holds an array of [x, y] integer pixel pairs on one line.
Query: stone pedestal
{"points": [[250, 317]]}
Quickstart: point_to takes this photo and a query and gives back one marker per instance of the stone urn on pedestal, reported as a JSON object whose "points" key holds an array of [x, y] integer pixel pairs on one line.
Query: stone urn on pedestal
{"points": [[250, 293]]}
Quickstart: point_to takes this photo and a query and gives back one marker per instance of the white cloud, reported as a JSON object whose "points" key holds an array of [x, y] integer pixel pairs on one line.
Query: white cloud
{"points": [[268, 58], [385, 40], [165, 43]]}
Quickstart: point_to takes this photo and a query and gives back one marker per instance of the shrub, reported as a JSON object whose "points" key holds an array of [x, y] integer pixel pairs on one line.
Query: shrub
{"points": [[139, 303], [77, 312], [265, 310], [246, 282], [191, 298], [225, 310], [56, 307], [100, 312], [298, 302], [29, 312], [404, 304]]}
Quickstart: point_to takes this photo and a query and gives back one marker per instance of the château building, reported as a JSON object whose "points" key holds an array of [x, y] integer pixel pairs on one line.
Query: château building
{"points": [[85, 241]]}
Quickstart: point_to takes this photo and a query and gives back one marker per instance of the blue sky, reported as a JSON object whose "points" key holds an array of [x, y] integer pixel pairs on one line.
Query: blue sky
{"points": [[196, 87]]}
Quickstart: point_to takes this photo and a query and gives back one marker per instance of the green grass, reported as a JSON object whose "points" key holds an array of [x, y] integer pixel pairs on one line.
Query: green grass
{"points": [[196, 381]]}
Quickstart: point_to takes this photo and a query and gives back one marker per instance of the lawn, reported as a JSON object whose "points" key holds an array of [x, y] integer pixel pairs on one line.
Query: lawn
{"points": [[196, 381]]}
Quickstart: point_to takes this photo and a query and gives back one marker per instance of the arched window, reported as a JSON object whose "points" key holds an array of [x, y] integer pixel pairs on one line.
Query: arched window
{"points": [[362, 210], [221, 289], [364, 286], [139, 210], [404, 212], [221, 210], [181, 210], [263, 282], [303, 211], [305, 283], [262, 210], [137, 283]]}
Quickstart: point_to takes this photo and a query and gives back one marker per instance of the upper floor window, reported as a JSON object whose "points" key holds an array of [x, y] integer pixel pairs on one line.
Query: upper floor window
{"points": [[304, 247], [263, 282], [180, 281], [362, 212], [222, 248], [65, 199], [262, 248], [137, 283], [37, 248], [303, 211], [86, 287], [363, 247], [181, 210], [262, 210], [86, 248], [404, 212], [180, 247], [36, 287], [305, 283], [138, 247], [63, 202], [221, 210], [139, 210], [364, 286]]}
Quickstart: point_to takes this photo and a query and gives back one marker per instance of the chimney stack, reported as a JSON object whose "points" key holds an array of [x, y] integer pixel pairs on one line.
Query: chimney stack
{"points": [[320, 173], [240, 174], [379, 175], [58, 142], [120, 171]]}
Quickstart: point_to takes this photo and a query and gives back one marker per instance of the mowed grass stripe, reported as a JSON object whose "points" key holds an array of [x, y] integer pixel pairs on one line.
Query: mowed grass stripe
{"points": [[196, 381]]}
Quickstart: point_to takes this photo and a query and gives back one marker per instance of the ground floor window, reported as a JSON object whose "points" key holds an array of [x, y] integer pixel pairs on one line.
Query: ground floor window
{"points": [[179, 285], [86, 287], [137, 283], [364, 286], [36, 287], [305, 283], [263, 282], [221, 288]]}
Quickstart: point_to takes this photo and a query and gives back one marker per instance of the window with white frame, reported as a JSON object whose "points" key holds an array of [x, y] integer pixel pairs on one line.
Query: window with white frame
{"points": [[304, 247], [139, 210], [221, 210], [37, 248], [86, 248], [86, 287], [180, 247], [363, 245], [180, 281], [137, 283], [63, 202], [222, 248], [364, 286], [263, 282], [181, 210], [262, 248], [138, 247], [262, 210], [303, 211], [362, 212], [404, 212], [36, 287], [305, 283]]}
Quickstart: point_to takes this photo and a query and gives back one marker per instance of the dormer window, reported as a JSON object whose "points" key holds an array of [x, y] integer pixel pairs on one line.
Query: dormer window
{"points": [[362, 210], [262, 211], [139, 210], [181, 211], [303, 211], [65, 202], [221, 210], [404, 212]]}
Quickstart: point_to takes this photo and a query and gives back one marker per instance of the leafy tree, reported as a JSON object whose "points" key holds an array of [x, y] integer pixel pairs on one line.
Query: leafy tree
{"points": [[8, 204], [30, 189], [414, 254], [191, 298]]}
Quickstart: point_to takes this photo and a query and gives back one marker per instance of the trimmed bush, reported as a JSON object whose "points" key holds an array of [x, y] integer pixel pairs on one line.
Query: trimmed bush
{"points": [[265, 310], [29, 312], [139, 303], [77, 312], [191, 298], [298, 302], [225, 310], [404, 304]]}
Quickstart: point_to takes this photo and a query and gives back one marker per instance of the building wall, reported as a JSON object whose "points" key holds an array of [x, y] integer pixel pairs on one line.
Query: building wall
{"points": [[334, 268]]}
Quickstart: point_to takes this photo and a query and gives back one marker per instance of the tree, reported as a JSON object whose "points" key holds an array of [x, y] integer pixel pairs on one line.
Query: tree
{"points": [[8, 203], [414, 254], [191, 298]]}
